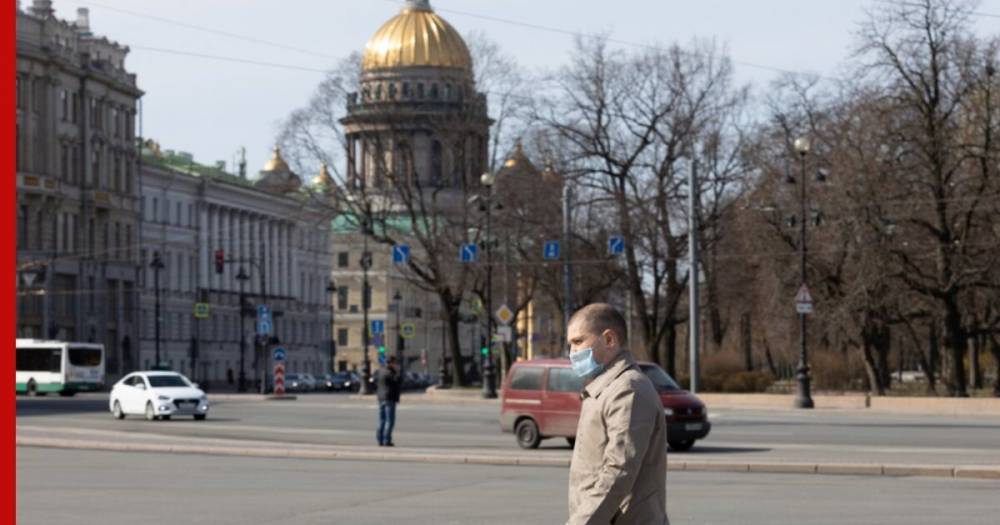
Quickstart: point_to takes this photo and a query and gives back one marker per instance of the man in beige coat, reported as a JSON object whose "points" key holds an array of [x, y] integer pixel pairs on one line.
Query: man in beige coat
{"points": [[618, 472]]}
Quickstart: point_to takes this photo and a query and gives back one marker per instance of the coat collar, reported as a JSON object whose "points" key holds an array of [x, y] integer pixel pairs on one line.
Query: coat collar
{"points": [[618, 365]]}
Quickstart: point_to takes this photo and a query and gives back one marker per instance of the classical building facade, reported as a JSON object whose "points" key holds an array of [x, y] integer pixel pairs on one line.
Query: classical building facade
{"points": [[269, 230], [77, 188]]}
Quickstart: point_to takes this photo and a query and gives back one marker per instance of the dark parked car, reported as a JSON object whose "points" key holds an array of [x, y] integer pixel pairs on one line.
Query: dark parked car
{"points": [[341, 381], [540, 399]]}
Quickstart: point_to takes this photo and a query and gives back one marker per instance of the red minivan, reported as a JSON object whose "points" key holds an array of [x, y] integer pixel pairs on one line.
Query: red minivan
{"points": [[541, 400]]}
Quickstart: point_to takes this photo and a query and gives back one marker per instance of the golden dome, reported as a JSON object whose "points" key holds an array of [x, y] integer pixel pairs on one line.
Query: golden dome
{"points": [[416, 37], [276, 163], [323, 180], [519, 160]]}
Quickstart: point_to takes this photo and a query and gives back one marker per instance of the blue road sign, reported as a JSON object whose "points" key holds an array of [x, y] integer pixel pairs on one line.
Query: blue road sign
{"points": [[551, 251], [469, 253], [616, 245], [279, 355], [378, 326], [401, 254], [263, 312], [264, 328]]}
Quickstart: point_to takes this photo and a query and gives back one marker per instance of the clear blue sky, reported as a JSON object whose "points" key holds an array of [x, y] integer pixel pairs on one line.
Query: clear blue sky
{"points": [[211, 108]]}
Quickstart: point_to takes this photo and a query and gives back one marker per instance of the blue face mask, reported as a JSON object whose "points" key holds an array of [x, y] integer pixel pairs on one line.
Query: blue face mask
{"points": [[584, 364]]}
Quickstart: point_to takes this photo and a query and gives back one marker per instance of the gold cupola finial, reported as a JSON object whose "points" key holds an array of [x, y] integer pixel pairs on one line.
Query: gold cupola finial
{"points": [[323, 181], [276, 162]]}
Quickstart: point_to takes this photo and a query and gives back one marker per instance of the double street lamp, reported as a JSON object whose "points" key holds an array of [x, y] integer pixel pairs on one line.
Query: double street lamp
{"points": [[489, 374], [157, 265], [242, 277], [398, 299], [366, 264], [803, 398], [331, 288]]}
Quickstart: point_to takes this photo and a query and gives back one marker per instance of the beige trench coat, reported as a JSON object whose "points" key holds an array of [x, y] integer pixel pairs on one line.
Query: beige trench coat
{"points": [[618, 473]]}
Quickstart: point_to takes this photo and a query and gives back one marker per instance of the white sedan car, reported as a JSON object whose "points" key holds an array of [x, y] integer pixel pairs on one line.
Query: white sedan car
{"points": [[157, 395]]}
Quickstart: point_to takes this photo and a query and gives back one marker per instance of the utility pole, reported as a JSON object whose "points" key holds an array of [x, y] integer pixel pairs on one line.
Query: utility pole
{"points": [[567, 265], [694, 315], [157, 265]]}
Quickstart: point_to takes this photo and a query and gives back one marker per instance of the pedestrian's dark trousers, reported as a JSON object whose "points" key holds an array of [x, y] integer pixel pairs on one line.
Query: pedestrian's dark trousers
{"points": [[386, 420]]}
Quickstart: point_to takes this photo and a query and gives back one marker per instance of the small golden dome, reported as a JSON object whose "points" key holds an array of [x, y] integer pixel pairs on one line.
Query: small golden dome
{"points": [[324, 180], [519, 159], [416, 37], [276, 163]]}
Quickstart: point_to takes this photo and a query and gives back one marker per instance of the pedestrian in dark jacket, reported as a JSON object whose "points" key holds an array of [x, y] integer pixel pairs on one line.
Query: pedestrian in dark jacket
{"points": [[389, 383]]}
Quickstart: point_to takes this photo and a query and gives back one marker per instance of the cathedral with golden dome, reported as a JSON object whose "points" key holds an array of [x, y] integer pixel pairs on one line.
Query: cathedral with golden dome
{"points": [[417, 119], [417, 114]]}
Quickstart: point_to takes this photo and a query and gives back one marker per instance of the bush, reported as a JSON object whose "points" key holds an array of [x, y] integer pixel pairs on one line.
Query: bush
{"points": [[747, 382], [735, 382]]}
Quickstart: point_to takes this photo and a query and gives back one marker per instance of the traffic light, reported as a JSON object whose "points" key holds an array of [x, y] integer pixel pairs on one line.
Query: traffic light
{"points": [[220, 260], [381, 354], [485, 351]]}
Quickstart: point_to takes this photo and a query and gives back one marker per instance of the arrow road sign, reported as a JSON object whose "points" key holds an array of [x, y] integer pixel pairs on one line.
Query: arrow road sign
{"points": [[401, 254], [469, 253], [378, 326], [279, 355], [551, 251], [264, 327], [616, 245]]}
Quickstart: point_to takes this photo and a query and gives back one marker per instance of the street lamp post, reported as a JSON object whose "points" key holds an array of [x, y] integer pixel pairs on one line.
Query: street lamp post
{"points": [[803, 398], [156, 265], [489, 373], [331, 288], [366, 264], [398, 298], [242, 277]]}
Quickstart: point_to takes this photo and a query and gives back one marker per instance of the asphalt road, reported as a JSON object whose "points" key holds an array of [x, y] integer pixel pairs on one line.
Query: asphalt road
{"points": [[815, 436], [107, 488]]}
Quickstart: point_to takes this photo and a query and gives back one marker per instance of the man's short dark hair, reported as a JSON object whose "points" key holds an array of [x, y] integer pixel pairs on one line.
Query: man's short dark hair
{"points": [[600, 317]]}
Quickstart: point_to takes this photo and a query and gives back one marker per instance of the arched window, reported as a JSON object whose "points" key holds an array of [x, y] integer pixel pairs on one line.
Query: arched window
{"points": [[403, 169], [434, 91], [458, 165], [378, 92], [406, 90], [420, 90], [436, 164], [392, 91]]}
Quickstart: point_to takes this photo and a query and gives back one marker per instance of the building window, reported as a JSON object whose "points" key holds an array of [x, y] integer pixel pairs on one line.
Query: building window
{"points": [[63, 105], [342, 292], [343, 338], [74, 107], [156, 209], [64, 162], [343, 259], [436, 164], [406, 90], [179, 214], [434, 91], [20, 96], [420, 90]]}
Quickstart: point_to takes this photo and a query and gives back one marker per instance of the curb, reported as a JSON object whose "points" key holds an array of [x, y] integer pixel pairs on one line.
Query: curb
{"points": [[889, 470]]}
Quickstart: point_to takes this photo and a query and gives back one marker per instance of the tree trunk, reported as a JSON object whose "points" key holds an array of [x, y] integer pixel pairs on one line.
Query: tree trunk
{"points": [[882, 342], [871, 369], [747, 338], [995, 349], [670, 346], [933, 358], [976, 371], [455, 347], [771, 365], [957, 342]]}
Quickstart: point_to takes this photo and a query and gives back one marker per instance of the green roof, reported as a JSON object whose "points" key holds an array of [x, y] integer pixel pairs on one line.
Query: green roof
{"points": [[351, 223]]}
